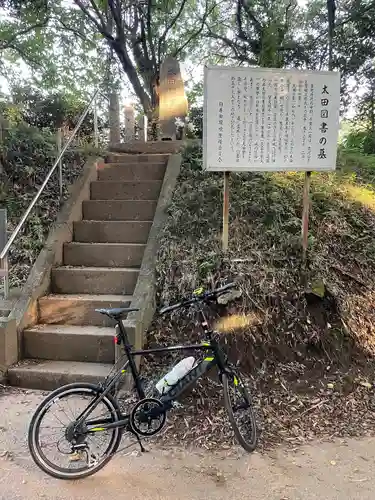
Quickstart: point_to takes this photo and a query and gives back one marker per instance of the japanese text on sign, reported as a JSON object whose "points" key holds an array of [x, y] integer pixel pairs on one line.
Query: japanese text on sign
{"points": [[263, 119]]}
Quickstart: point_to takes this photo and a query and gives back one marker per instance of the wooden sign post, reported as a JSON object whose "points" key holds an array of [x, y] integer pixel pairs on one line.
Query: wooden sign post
{"points": [[305, 217], [4, 261], [225, 238]]}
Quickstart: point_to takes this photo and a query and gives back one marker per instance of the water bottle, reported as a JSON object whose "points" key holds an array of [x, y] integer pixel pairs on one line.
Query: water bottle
{"points": [[172, 377]]}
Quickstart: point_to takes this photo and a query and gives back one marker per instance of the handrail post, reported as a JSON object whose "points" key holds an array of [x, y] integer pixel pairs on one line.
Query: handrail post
{"points": [[4, 266], [59, 148], [96, 128], [4, 261]]}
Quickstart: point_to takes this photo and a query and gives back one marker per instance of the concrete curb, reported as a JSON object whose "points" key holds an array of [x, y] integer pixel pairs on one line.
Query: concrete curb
{"points": [[151, 148], [137, 323], [8, 345]]}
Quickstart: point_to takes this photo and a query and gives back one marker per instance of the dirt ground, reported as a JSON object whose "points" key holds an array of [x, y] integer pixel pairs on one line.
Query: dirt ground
{"points": [[338, 470]]}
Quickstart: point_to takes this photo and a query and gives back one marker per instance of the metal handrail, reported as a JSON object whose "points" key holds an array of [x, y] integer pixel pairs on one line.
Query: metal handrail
{"points": [[14, 235]]}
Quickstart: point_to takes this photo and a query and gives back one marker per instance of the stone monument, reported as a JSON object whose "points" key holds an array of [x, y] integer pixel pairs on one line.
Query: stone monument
{"points": [[172, 99]]}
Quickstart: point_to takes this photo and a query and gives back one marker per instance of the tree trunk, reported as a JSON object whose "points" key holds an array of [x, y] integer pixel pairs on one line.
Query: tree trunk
{"points": [[134, 79]]}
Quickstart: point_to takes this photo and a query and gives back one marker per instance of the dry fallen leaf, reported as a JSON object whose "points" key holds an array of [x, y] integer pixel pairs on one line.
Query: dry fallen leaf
{"points": [[366, 384]]}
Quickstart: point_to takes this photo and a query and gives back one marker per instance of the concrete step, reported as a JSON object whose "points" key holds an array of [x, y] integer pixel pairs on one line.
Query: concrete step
{"points": [[49, 375], [79, 309], [70, 343], [114, 190], [103, 254], [94, 280], [131, 172], [136, 158], [111, 231], [119, 209]]}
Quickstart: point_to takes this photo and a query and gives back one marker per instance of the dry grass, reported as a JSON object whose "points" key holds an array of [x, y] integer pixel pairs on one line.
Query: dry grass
{"points": [[265, 256]]}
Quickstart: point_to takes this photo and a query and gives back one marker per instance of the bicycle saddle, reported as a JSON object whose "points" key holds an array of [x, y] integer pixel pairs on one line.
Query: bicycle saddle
{"points": [[117, 312]]}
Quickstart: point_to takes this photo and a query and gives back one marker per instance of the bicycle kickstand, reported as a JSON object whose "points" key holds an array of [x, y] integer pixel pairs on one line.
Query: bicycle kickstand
{"points": [[143, 449]]}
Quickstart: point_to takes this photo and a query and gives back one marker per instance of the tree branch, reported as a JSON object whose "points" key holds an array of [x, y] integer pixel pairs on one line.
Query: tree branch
{"points": [[155, 63], [23, 54], [257, 25], [25, 31], [75, 32], [102, 28], [116, 14], [170, 26], [102, 19], [143, 39], [197, 32], [234, 46], [353, 17]]}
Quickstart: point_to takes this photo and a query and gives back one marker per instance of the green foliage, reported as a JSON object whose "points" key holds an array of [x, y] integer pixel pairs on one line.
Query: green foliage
{"points": [[24, 153], [27, 156], [362, 140], [195, 95], [23, 31], [192, 156], [53, 110], [196, 118]]}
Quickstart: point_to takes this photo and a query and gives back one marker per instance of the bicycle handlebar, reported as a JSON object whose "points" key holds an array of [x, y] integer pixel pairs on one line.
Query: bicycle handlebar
{"points": [[206, 296]]}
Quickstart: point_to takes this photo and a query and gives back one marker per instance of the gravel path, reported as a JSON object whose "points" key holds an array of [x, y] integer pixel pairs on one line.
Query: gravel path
{"points": [[340, 470]]}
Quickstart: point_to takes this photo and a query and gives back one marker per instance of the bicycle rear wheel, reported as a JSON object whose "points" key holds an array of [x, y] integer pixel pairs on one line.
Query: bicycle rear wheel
{"points": [[58, 452], [238, 404]]}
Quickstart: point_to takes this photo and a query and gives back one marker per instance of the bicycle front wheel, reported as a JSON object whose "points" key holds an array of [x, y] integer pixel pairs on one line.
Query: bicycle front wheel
{"points": [[237, 402], [56, 445]]}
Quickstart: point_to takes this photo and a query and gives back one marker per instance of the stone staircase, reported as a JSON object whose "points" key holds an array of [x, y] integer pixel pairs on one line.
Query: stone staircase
{"points": [[100, 269]]}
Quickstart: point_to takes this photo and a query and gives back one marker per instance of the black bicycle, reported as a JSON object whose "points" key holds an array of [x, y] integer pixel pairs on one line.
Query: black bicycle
{"points": [[76, 433]]}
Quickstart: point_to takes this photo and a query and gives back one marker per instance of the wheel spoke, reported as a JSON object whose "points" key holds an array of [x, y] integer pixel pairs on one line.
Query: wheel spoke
{"points": [[60, 450]]}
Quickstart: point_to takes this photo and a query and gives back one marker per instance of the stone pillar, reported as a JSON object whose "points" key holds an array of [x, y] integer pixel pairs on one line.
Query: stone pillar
{"points": [[142, 128], [114, 118], [129, 123], [172, 99]]}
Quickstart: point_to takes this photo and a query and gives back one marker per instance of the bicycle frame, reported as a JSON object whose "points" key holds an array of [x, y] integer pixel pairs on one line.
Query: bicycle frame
{"points": [[103, 424]]}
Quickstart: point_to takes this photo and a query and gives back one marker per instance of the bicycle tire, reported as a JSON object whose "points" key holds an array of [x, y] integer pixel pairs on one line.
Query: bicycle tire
{"points": [[34, 446], [248, 445]]}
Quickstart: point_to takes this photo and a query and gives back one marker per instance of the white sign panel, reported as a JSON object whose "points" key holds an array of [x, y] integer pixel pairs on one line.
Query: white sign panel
{"points": [[258, 119]]}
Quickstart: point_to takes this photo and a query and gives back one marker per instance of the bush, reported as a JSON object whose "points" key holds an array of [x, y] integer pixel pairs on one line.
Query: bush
{"points": [[27, 156], [52, 111], [359, 138], [196, 118]]}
